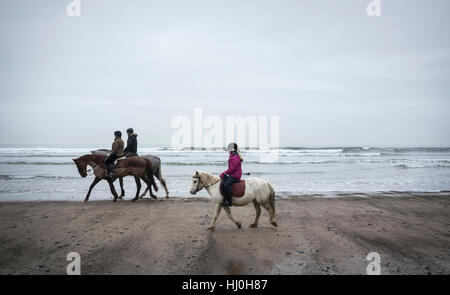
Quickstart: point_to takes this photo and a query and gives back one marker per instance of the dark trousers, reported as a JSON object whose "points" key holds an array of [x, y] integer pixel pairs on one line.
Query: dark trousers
{"points": [[227, 186], [111, 159]]}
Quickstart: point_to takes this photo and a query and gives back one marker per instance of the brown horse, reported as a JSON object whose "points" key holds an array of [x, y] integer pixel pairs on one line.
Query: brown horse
{"points": [[136, 166], [156, 165]]}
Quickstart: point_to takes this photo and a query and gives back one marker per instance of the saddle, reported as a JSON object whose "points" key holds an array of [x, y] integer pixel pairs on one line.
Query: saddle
{"points": [[237, 190], [115, 162]]}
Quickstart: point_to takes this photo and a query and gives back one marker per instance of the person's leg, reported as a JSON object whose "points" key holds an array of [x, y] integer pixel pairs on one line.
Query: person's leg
{"points": [[109, 164], [228, 189], [222, 188]]}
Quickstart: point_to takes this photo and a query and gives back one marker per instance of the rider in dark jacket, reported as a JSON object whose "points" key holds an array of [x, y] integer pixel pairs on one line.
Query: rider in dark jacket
{"points": [[131, 149]]}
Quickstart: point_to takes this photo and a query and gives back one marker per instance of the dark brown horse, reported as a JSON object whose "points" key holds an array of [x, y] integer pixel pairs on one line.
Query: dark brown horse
{"points": [[156, 165], [136, 166]]}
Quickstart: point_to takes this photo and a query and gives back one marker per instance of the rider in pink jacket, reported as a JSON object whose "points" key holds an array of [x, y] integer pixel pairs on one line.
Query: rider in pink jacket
{"points": [[234, 166], [233, 174]]}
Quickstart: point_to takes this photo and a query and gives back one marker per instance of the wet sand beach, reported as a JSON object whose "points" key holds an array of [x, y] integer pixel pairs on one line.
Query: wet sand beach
{"points": [[168, 236]]}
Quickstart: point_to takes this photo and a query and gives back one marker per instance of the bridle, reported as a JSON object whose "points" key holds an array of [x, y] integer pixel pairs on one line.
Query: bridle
{"points": [[205, 186], [93, 167]]}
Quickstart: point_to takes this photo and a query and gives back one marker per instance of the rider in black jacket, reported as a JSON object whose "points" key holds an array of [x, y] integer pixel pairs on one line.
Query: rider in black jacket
{"points": [[131, 149]]}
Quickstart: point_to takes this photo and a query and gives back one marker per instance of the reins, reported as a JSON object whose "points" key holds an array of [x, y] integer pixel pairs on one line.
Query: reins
{"points": [[93, 166], [205, 186]]}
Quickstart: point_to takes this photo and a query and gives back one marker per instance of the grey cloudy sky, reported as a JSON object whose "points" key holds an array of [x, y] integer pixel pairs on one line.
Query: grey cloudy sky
{"points": [[334, 75]]}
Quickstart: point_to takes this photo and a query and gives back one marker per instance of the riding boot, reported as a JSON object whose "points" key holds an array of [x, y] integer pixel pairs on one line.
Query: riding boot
{"points": [[227, 200], [110, 171]]}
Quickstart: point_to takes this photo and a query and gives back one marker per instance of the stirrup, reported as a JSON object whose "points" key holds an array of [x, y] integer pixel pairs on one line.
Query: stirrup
{"points": [[226, 203]]}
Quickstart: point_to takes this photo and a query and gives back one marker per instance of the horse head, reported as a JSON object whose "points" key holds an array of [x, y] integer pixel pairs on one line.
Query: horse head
{"points": [[81, 166], [202, 180], [197, 184]]}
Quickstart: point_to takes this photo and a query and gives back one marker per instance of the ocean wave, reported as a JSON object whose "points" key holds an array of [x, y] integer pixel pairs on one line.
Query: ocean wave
{"points": [[212, 163], [50, 177], [401, 163], [221, 163], [292, 162], [211, 152], [412, 166], [306, 151], [284, 173], [179, 163], [40, 156], [36, 163], [360, 154]]}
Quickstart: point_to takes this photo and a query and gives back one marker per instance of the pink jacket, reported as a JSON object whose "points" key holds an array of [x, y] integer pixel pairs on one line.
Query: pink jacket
{"points": [[234, 166]]}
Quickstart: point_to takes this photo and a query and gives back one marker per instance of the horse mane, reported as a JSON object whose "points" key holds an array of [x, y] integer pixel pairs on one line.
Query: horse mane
{"points": [[89, 157], [97, 158], [207, 178]]}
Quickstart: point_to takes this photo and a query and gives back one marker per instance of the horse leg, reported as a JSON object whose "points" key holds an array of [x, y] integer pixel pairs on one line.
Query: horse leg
{"points": [[258, 213], [162, 181], [216, 215], [96, 180], [138, 188], [143, 194], [271, 211], [122, 191], [149, 187], [228, 211], [151, 193], [113, 189], [145, 191]]}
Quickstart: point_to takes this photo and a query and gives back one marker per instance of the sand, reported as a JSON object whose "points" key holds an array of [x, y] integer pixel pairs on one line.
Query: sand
{"points": [[169, 236]]}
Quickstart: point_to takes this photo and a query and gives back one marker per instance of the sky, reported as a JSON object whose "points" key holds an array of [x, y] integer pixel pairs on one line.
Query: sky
{"points": [[333, 75]]}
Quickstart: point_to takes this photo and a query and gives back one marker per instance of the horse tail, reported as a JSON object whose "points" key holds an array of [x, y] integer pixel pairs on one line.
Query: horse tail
{"points": [[159, 176], [158, 173], [149, 172], [271, 196]]}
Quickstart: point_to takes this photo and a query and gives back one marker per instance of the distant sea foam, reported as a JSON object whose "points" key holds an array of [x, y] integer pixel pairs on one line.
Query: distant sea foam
{"points": [[48, 173]]}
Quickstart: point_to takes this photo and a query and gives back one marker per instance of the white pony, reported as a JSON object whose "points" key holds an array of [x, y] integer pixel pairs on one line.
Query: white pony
{"points": [[257, 191]]}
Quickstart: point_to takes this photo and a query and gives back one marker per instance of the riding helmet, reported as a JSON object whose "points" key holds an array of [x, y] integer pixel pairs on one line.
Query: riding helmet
{"points": [[232, 147]]}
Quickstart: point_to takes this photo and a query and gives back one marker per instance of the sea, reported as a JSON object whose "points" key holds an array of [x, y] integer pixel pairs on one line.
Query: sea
{"points": [[40, 173]]}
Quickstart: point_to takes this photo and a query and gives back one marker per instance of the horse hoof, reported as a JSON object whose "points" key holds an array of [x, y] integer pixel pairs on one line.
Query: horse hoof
{"points": [[239, 225], [210, 228], [274, 224], [115, 200], [154, 197], [167, 196], [134, 200], [253, 225]]}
